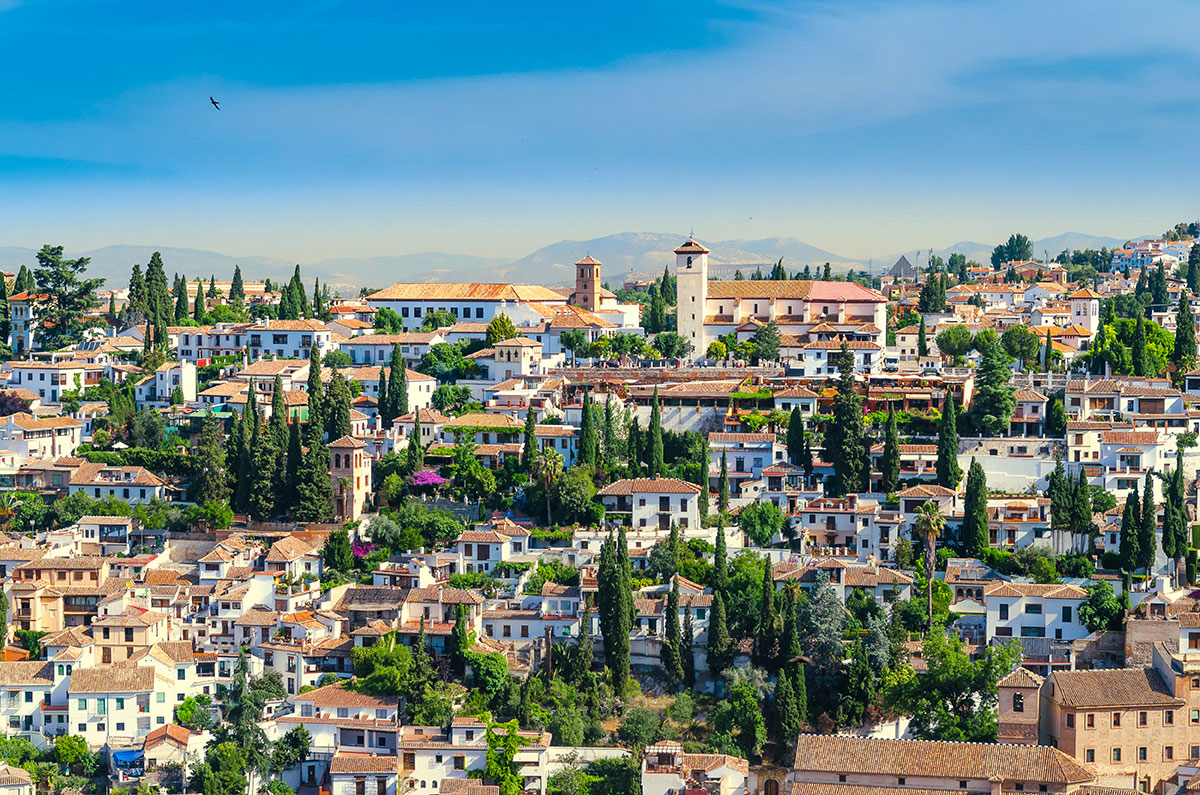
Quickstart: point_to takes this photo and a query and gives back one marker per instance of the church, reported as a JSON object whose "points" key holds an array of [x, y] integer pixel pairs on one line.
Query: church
{"points": [[814, 317]]}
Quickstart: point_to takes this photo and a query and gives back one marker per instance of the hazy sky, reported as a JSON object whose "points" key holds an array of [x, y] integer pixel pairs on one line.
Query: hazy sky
{"points": [[489, 128]]}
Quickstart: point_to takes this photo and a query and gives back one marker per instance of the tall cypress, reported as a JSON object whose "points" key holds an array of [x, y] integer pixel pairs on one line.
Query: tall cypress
{"points": [[949, 473], [588, 438], [609, 438], [338, 423], [246, 448], [787, 719], [922, 339], [1183, 354], [314, 501], [398, 385], [529, 442], [795, 436], [671, 657], [766, 638], [846, 434], [415, 454], [889, 465], [383, 405], [1146, 543], [634, 449], [723, 484], [182, 310], [654, 461], [316, 406], [5, 321], [237, 291], [1130, 537], [720, 651], [975, 520], [686, 649], [295, 455]]}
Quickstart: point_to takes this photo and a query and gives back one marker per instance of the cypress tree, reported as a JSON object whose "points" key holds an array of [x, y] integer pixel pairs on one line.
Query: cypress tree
{"points": [[588, 438], [198, 307], [295, 455], [719, 652], [1183, 354], [1146, 543], [634, 451], [338, 423], [766, 638], [1140, 362], [922, 341], [529, 445], [787, 719], [723, 485], [398, 386], [1193, 269], [949, 473], [1130, 537], [789, 639], [318, 308], [889, 465], [315, 490], [846, 434], [1081, 507], [210, 483], [655, 460], [237, 291], [212, 286], [795, 436], [975, 520], [671, 658], [246, 448], [806, 456], [720, 560], [135, 303], [5, 322], [263, 477], [800, 692], [181, 300], [316, 406], [686, 647], [610, 441], [385, 414], [415, 454]]}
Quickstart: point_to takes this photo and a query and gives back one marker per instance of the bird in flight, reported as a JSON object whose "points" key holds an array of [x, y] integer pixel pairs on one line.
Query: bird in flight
{"points": [[215, 104]]}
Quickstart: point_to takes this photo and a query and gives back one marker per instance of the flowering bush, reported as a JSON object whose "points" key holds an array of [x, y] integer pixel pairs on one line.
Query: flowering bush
{"points": [[361, 548], [427, 478]]}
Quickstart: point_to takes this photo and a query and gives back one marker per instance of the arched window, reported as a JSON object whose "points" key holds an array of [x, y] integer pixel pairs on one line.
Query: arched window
{"points": [[771, 787], [1018, 702]]}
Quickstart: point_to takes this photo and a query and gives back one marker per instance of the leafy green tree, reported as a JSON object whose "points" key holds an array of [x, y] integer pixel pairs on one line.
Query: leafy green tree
{"points": [[957, 698], [1101, 610], [501, 328], [766, 342], [1056, 418], [1020, 343], [63, 298], [994, 402], [846, 432], [223, 771], [761, 521], [975, 519], [193, 715], [954, 342]]}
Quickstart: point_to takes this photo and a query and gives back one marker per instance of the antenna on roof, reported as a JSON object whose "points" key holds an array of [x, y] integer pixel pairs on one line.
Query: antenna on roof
{"points": [[691, 231]]}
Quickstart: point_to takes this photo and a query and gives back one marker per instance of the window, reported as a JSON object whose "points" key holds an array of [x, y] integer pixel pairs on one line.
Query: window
{"points": [[1090, 755], [1091, 720], [160, 698], [1195, 717], [1143, 718], [1169, 717], [28, 696], [1116, 720], [1070, 720], [83, 703], [1018, 702], [900, 782], [842, 778], [1168, 752], [1142, 753], [962, 785], [120, 703], [82, 727], [460, 763], [1003, 612], [1066, 614], [1195, 752], [1116, 754], [1033, 609], [120, 727]]}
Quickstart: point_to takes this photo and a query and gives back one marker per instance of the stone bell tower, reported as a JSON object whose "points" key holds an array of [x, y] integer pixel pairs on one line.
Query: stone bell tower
{"points": [[587, 284]]}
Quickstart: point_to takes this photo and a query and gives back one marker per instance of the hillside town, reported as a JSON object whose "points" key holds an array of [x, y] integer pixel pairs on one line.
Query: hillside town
{"points": [[931, 528]]}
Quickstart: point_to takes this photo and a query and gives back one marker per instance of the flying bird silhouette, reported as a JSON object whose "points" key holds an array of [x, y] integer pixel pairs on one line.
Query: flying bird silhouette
{"points": [[215, 104]]}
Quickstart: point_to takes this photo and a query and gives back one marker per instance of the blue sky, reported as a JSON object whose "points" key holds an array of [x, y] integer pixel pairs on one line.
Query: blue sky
{"points": [[364, 128]]}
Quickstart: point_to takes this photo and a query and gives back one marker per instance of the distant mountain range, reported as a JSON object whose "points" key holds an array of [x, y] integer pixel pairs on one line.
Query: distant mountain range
{"points": [[625, 255]]}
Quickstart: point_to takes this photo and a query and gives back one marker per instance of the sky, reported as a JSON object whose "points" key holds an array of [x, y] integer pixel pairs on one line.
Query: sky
{"points": [[361, 128]]}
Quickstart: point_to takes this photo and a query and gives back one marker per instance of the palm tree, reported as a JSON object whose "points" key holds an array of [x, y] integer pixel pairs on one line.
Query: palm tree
{"points": [[930, 524], [547, 469], [8, 506]]}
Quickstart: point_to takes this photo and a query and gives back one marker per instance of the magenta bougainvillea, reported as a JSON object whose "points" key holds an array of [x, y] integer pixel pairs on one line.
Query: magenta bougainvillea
{"points": [[427, 478]]}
